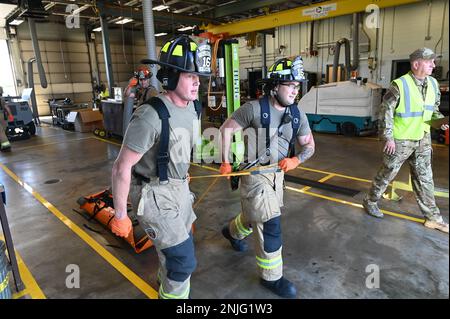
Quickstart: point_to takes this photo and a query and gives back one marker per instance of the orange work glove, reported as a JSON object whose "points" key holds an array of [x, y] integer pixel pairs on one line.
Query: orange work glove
{"points": [[10, 118], [121, 227], [286, 164], [133, 82], [225, 168]]}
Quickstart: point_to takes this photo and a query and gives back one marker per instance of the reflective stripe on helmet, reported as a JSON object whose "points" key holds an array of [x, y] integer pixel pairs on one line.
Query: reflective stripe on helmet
{"points": [[178, 51]]}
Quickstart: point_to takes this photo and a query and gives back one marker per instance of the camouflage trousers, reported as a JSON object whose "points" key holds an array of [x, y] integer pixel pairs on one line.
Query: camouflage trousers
{"points": [[418, 154]]}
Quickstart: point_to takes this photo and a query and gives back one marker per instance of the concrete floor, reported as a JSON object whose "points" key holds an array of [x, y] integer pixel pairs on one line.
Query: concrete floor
{"points": [[328, 242]]}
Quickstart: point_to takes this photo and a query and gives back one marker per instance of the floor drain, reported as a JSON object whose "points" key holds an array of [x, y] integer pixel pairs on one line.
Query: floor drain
{"points": [[52, 181]]}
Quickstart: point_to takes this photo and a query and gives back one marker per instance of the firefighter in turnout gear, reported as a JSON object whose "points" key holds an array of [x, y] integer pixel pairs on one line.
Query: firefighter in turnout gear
{"points": [[139, 86], [411, 101], [153, 164], [284, 124]]}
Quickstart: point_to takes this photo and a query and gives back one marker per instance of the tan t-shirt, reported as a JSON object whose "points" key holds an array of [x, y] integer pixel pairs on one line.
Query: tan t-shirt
{"points": [[249, 117], [143, 136]]}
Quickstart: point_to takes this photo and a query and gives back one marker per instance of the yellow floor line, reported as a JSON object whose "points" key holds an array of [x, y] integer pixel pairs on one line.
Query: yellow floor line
{"points": [[111, 259], [59, 129], [193, 164], [418, 220], [54, 143], [20, 294], [329, 175], [377, 139], [335, 174], [205, 167], [205, 192], [106, 141], [30, 283], [31, 286], [307, 188]]}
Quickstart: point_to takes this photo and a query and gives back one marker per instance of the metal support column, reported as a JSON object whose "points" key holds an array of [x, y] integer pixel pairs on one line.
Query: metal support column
{"points": [[264, 54], [9, 243], [149, 31], [107, 53]]}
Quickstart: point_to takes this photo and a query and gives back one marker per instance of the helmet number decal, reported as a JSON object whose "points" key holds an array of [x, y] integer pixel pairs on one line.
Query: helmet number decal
{"points": [[297, 69], [203, 58]]}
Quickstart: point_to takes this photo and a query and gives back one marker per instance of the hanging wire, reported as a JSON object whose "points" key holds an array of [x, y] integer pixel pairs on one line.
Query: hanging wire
{"points": [[442, 32], [123, 37], [132, 41], [214, 69], [392, 34], [62, 57]]}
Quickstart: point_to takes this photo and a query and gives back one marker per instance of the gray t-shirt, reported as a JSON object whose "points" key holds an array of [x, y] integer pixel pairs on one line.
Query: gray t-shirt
{"points": [[249, 117], [143, 136]]}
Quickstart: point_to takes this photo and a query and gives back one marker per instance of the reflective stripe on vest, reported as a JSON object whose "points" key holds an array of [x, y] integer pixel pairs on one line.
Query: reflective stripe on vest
{"points": [[412, 111]]}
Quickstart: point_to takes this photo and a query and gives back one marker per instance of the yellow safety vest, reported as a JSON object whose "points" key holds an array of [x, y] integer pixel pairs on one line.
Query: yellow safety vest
{"points": [[412, 111]]}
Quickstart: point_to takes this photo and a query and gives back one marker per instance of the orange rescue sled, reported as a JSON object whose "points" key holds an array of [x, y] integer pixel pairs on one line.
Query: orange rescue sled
{"points": [[101, 207]]}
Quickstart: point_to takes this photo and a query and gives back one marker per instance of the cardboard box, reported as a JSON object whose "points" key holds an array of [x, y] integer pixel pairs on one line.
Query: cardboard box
{"points": [[85, 120]]}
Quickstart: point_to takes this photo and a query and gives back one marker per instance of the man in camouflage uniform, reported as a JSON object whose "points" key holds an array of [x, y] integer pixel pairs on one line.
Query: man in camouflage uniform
{"points": [[411, 101], [139, 86]]}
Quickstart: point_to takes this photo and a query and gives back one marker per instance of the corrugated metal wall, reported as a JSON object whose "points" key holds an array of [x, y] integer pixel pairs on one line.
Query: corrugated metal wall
{"points": [[402, 30], [65, 58], [66, 65]]}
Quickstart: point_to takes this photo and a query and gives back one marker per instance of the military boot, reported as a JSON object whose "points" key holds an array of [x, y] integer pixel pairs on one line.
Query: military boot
{"points": [[238, 245], [437, 223], [371, 208], [281, 287]]}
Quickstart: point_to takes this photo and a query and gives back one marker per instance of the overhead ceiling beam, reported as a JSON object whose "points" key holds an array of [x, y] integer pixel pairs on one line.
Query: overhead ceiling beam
{"points": [[50, 5], [298, 15], [64, 14], [186, 8], [131, 3], [66, 2], [158, 15], [77, 11], [241, 6], [193, 2]]}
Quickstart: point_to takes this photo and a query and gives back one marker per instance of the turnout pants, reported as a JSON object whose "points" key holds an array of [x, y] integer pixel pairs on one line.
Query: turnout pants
{"points": [[418, 154], [165, 213], [261, 200]]}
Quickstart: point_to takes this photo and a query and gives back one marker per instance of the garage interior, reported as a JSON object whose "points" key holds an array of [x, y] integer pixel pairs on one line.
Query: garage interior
{"points": [[330, 245]]}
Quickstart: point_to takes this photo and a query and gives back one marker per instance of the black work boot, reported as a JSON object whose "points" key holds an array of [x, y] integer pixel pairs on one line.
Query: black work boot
{"points": [[281, 287], [238, 245]]}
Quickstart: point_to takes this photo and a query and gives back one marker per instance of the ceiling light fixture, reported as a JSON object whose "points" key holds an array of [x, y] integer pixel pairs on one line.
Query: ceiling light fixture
{"points": [[16, 21], [161, 7], [123, 21], [185, 28]]}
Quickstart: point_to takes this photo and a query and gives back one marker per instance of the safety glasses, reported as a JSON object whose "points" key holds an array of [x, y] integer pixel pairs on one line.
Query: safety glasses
{"points": [[292, 86]]}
